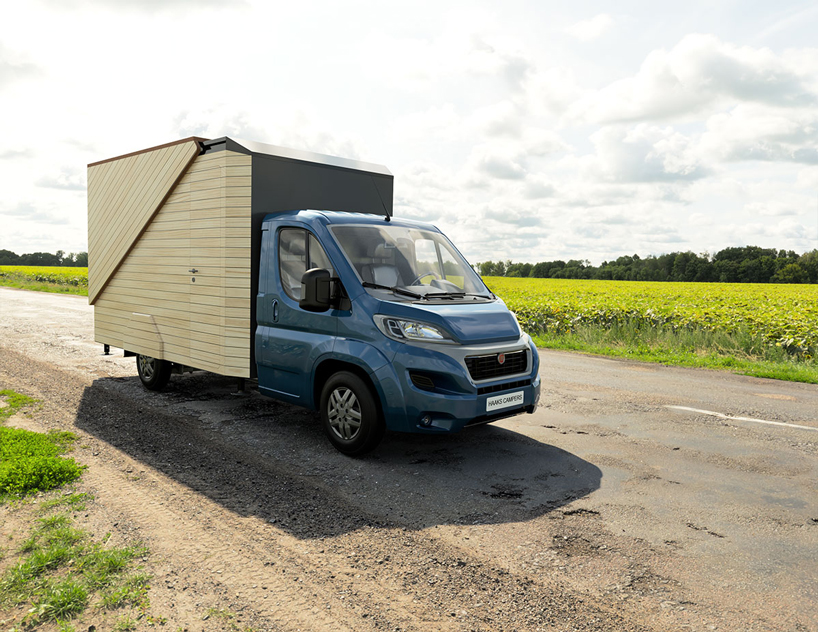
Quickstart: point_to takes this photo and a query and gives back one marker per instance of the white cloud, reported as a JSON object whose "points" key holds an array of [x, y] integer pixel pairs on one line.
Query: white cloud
{"points": [[588, 30], [755, 132], [69, 179], [646, 153], [699, 73], [15, 67]]}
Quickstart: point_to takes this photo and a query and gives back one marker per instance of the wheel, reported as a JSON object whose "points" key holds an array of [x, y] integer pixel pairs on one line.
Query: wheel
{"points": [[423, 276], [351, 414], [154, 373]]}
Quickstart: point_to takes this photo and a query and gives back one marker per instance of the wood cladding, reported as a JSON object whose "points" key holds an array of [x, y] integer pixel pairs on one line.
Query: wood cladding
{"points": [[150, 302], [123, 196]]}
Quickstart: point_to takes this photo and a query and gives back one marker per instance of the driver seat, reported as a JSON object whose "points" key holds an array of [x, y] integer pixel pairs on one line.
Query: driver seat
{"points": [[380, 270]]}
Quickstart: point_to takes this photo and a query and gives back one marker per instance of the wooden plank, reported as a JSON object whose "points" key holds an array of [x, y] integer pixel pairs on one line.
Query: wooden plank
{"points": [[125, 231], [126, 219]]}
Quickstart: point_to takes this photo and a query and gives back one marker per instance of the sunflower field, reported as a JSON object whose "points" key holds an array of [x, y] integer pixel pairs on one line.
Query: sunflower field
{"points": [[782, 315]]}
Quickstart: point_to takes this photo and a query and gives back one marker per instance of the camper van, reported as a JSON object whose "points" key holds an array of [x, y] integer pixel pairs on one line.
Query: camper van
{"points": [[261, 262]]}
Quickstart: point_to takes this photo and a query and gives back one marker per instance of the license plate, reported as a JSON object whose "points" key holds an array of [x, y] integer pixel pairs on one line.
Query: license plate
{"points": [[506, 400]]}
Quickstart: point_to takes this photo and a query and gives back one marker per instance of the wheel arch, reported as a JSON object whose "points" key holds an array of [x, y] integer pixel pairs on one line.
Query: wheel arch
{"points": [[329, 367]]}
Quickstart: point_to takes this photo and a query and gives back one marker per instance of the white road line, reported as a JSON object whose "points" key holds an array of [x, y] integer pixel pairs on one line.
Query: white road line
{"points": [[759, 421]]}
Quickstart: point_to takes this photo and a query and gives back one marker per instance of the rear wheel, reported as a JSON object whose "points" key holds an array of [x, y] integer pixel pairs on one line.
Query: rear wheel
{"points": [[351, 415], [154, 373]]}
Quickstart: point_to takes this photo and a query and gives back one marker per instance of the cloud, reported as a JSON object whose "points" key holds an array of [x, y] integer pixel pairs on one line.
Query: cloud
{"points": [[13, 67], [588, 30], [753, 132], [16, 154], [67, 179], [29, 212], [147, 6], [646, 153], [770, 208], [699, 73]]}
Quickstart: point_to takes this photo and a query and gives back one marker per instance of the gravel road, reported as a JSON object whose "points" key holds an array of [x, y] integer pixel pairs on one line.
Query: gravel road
{"points": [[624, 503]]}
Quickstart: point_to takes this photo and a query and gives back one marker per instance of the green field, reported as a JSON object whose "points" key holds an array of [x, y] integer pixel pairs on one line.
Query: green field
{"points": [[46, 279], [767, 330], [759, 329]]}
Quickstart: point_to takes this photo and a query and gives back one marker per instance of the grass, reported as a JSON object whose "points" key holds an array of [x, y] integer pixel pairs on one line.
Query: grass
{"points": [[63, 280], [61, 572], [14, 402], [738, 351], [57, 571], [30, 462]]}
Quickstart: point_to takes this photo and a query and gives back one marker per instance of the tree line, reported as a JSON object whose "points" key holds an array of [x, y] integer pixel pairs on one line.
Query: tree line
{"points": [[78, 259], [747, 264]]}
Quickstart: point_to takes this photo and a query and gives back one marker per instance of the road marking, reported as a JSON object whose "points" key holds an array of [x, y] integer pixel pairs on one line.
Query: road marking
{"points": [[759, 421]]}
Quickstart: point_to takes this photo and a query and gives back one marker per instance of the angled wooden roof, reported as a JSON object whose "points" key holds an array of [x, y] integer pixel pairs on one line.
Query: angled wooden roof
{"points": [[124, 194]]}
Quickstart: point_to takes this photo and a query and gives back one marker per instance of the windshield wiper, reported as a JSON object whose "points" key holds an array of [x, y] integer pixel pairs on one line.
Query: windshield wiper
{"points": [[453, 295], [396, 290]]}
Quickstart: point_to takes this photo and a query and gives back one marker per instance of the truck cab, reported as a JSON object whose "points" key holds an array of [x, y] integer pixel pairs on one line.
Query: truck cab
{"points": [[380, 323]]}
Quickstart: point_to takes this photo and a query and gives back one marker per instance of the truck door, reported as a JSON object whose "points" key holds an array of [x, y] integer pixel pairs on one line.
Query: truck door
{"points": [[289, 339]]}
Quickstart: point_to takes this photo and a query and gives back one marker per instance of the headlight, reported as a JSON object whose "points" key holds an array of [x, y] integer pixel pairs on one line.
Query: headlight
{"points": [[411, 330]]}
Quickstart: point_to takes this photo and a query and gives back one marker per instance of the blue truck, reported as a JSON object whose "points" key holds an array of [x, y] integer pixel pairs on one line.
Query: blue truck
{"points": [[378, 323]]}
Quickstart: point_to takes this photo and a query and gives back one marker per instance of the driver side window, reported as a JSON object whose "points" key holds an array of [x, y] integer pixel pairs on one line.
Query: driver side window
{"points": [[299, 251]]}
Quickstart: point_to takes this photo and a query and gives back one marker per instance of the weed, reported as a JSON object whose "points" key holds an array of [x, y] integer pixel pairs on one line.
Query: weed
{"points": [[13, 403], [61, 600], [29, 461], [133, 592], [125, 624], [75, 502]]}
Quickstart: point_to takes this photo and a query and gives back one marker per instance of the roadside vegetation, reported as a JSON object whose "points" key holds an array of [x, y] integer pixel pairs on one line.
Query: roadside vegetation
{"points": [[764, 330], [63, 280], [759, 329], [51, 571]]}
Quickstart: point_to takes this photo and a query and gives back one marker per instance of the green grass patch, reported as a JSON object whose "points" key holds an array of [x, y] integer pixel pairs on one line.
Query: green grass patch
{"points": [[72, 501], [63, 280], [30, 461], [12, 403], [61, 572], [738, 351]]}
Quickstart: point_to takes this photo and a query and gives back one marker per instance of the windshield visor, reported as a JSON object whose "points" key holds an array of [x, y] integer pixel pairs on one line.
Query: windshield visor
{"points": [[421, 261]]}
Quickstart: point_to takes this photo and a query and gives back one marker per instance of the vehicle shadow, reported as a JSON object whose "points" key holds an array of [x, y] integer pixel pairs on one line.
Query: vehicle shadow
{"points": [[258, 457]]}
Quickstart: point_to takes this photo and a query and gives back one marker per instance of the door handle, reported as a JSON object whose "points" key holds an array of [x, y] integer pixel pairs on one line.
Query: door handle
{"points": [[275, 310]]}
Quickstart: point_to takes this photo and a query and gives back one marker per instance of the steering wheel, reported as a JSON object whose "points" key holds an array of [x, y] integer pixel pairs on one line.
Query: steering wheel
{"points": [[423, 276]]}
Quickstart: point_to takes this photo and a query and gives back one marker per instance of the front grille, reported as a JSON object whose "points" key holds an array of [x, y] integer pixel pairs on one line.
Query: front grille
{"points": [[507, 386], [488, 367]]}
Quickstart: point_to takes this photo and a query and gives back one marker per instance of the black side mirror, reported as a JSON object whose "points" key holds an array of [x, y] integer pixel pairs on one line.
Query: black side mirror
{"points": [[316, 292]]}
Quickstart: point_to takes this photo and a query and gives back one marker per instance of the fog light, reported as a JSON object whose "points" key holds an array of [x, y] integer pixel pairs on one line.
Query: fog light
{"points": [[426, 420]]}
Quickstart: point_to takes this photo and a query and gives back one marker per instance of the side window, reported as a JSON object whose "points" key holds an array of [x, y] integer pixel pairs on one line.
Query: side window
{"points": [[292, 260], [318, 258], [299, 251]]}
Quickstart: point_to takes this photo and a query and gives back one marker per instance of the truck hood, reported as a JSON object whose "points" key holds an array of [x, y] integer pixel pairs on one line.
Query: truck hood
{"points": [[477, 323]]}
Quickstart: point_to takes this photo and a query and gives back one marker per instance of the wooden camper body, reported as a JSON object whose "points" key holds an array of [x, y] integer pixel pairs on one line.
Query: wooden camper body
{"points": [[174, 238]]}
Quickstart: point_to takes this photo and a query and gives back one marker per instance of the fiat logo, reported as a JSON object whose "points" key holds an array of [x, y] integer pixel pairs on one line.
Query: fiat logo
{"points": [[501, 358]]}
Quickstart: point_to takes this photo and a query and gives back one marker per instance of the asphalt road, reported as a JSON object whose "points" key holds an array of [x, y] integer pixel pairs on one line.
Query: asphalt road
{"points": [[661, 497]]}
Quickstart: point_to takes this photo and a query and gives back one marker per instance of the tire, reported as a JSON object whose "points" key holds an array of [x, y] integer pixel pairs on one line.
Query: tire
{"points": [[155, 374], [351, 415]]}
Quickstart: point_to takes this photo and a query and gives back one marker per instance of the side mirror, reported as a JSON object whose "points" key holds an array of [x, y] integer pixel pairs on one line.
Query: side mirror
{"points": [[315, 290]]}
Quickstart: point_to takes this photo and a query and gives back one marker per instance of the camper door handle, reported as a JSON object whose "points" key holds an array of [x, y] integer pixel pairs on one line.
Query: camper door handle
{"points": [[275, 311], [193, 270]]}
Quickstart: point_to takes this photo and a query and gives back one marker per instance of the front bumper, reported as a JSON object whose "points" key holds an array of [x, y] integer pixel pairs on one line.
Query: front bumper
{"points": [[428, 388]]}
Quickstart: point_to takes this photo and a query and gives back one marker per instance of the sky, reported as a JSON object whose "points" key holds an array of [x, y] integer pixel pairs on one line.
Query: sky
{"points": [[525, 130]]}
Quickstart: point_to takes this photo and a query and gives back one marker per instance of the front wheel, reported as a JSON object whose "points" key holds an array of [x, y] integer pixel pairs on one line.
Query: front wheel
{"points": [[155, 374], [351, 415]]}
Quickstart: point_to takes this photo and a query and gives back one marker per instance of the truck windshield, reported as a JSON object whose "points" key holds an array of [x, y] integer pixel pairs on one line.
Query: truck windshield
{"points": [[421, 261]]}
